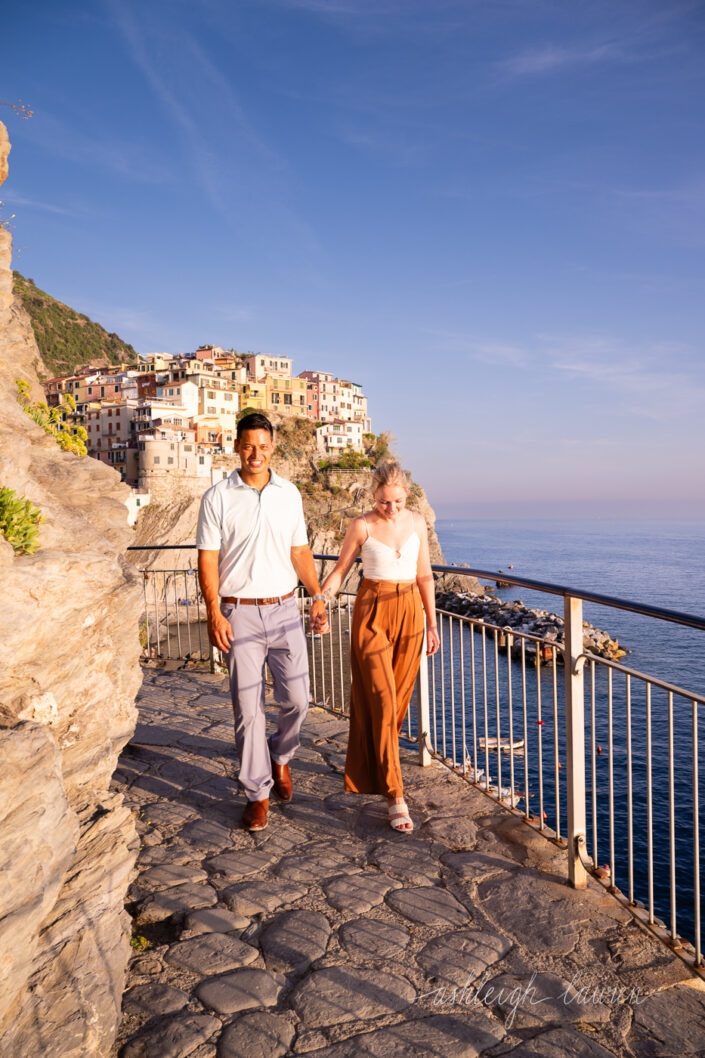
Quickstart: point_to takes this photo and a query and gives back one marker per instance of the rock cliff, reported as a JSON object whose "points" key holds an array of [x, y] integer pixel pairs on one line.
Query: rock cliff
{"points": [[69, 673], [330, 501]]}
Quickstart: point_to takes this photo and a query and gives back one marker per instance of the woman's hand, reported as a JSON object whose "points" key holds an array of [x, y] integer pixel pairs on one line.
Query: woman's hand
{"points": [[433, 641]]}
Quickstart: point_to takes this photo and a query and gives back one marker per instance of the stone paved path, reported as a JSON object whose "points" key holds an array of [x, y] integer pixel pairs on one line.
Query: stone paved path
{"points": [[328, 934]]}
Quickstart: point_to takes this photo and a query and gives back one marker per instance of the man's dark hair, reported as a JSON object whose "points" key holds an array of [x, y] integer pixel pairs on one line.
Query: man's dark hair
{"points": [[254, 421]]}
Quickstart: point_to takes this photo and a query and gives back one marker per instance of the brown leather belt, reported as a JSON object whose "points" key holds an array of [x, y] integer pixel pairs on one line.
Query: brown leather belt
{"points": [[258, 602]]}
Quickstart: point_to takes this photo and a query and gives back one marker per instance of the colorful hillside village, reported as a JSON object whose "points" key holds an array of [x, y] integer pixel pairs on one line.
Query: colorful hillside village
{"points": [[176, 414]]}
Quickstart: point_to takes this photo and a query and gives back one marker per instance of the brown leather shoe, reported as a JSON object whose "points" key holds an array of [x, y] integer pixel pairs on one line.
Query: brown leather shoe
{"points": [[283, 786], [255, 815]]}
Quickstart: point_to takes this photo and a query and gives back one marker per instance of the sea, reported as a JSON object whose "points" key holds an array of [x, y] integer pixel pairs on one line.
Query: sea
{"points": [[657, 562]]}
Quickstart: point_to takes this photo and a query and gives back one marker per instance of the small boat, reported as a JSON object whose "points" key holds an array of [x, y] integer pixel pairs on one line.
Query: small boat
{"points": [[504, 794], [506, 745]]}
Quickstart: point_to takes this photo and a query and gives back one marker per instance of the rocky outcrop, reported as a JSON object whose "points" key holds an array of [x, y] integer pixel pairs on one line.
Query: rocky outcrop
{"points": [[330, 499], [69, 673], [514, 617]]}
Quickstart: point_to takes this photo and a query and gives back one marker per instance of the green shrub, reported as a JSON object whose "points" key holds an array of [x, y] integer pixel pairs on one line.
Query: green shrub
{"points": [[348, 460], [69, 438], [19, 521]]}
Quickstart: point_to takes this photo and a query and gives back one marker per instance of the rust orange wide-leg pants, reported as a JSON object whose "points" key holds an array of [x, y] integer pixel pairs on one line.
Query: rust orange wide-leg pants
{"points": [[385, 654]]}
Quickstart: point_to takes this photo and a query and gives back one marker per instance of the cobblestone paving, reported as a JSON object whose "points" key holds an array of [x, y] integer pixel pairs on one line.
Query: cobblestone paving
{"points": [[328, 934]]}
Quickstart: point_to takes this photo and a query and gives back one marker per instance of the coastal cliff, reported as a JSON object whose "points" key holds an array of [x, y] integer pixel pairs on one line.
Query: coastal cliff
{"points": [[69, 673], [331, 498]]}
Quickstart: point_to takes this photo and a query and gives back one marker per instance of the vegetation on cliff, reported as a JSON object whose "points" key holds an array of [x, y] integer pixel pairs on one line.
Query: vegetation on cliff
{"points": [[70, 438], [68, 339], [19, 521]]}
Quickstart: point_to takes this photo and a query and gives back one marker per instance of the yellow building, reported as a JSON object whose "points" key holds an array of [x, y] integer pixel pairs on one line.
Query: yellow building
{"points": [[288, 396], [254, 395]]}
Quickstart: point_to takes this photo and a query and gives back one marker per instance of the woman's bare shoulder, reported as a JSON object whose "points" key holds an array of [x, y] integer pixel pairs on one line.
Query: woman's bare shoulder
{"points": [[419, 523], [357, 528]]}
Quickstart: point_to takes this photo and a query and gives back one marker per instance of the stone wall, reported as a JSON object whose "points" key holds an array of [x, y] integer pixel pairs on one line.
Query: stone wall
{"points": [[69, 674]]}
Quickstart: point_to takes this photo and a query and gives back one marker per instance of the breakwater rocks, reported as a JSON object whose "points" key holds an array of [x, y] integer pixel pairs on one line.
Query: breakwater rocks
{"points": [[520, 620]]}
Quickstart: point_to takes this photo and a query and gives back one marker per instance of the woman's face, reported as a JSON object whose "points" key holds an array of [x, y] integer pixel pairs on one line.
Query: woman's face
{"points": [[390, 500]]}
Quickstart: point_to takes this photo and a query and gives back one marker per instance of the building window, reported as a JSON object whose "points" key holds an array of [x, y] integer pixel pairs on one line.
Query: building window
{"points": [[156, 461], [210, 410], [170, 459], [201, 459], [188, 448]]}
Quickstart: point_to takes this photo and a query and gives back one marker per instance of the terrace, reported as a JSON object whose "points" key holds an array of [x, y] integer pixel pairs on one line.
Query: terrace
{"points": [[492, 929]]}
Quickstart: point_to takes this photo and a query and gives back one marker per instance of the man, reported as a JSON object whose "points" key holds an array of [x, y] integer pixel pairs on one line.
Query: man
{"points": [[252, 551]]}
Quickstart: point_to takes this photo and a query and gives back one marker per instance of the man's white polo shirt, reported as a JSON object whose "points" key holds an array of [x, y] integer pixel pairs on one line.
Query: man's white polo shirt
{"points": [[254, 532]]}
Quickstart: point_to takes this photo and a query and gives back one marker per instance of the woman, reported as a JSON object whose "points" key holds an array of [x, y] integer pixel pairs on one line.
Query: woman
{"points": [[387, 634]]}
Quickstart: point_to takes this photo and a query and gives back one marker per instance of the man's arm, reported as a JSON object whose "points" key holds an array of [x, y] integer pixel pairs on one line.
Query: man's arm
{"points": [[303, 562], [219, 631]]}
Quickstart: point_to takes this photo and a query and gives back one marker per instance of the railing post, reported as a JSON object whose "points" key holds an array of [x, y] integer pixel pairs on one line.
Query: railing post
{"points": [[575, 739], [423, 712]]}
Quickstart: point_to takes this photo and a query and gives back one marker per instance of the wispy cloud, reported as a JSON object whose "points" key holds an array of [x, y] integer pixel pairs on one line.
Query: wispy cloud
{"points": [[13, 199], [551, 58], [78, 140], [658, 381], [499, 354], [237, 313], [201, 107], [135, 325]]}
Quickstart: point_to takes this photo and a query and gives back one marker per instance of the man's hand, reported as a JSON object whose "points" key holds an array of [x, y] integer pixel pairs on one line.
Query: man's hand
{"points": [[319, 618], [219, 631]]}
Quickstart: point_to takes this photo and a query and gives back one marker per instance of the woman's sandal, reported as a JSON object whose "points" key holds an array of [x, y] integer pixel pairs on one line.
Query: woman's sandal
{"points": [[399, 817]]}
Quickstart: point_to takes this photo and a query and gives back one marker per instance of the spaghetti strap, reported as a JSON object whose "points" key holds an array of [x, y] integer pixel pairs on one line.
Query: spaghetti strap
{"points": [[367, 526]]}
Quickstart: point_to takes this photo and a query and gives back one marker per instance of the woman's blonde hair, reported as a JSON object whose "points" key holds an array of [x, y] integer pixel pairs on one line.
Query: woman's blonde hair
{"points": [[389, 473]]}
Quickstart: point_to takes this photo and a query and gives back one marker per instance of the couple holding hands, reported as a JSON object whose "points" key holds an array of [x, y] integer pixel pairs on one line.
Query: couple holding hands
{"points": [[252, 552]]}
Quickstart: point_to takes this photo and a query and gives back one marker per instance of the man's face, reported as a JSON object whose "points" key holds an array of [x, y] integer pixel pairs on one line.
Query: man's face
{"points": [[255, 448]]}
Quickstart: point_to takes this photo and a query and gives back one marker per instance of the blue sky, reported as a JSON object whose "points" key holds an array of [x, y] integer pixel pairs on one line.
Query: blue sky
{"points": [[490, 214]]}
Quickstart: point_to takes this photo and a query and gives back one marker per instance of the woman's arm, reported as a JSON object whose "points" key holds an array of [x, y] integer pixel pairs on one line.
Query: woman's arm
{"points": [[354, 539], [427, 591]]}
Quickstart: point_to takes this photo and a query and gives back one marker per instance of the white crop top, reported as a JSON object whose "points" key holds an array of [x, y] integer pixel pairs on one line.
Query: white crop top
{"points": [[382, 562]]}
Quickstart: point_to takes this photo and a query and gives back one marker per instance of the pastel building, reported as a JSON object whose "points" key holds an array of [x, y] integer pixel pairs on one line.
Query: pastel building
{"points": [[286, 395], [214, 433], [254, 395], [109, 423], [124, 459], [334, 438], [330, 398], [260, 365], [155, 362], [162, 458]]}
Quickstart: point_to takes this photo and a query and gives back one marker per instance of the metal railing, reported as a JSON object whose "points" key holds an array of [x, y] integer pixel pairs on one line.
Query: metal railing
{"points": [[608, 772]]}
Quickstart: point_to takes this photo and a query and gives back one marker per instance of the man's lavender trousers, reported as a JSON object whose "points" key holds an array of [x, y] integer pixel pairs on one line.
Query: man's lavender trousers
{"points": [[273, 634]]}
